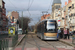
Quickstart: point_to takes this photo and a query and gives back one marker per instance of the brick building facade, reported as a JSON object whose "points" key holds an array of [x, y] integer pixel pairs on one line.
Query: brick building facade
{"points": [[14, 16], [3, 18], [46, 16]]}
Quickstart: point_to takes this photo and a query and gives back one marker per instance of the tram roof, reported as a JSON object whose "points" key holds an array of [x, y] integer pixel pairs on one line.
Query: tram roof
{"points": [[46, 20]]}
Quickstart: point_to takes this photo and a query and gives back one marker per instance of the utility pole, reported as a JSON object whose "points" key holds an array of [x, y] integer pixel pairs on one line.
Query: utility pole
{"points": [[22, 21]]}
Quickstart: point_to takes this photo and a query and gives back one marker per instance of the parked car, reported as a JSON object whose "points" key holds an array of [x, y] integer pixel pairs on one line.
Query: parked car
{"points": [[20, 31]]}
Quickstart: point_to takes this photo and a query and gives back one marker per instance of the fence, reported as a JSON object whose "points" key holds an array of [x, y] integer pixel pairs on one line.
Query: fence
{"points": [[4, 44], [14, 40]]}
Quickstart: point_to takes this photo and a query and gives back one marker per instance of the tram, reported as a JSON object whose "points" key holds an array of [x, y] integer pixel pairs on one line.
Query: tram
{"points": [[47, 29]]}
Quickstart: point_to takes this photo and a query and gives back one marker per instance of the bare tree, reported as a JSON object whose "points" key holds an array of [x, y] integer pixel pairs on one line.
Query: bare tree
{"points": [[26, 21]]}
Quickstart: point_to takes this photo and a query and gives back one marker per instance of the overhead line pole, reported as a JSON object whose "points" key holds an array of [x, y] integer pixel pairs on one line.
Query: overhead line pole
{"points": [[22, 21]]}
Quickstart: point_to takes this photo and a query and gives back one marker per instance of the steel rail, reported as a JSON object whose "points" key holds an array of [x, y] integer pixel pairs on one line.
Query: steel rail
{"points": [[52, 46], [25, 42], [36, 43]]}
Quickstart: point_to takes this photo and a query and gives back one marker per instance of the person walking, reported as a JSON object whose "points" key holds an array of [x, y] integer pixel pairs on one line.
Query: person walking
{"points": [[59, 31], [68, 33], [65, 33]]}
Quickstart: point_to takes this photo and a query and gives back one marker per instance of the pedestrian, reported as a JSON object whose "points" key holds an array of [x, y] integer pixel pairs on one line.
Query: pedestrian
{"points": [[65, 33], [68, 33], [59, 31], [73, 37]]}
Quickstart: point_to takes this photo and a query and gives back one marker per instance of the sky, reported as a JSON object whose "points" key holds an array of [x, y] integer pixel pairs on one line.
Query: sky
{"points": [[36, 7]]}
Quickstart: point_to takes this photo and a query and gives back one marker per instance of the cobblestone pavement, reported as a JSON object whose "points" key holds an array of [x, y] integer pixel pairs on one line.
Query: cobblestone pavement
{"points": [[32, 42]]}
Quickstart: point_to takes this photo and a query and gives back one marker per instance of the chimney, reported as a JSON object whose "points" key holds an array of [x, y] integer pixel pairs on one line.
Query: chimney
{"points": [[65, 3], [69, 1]]}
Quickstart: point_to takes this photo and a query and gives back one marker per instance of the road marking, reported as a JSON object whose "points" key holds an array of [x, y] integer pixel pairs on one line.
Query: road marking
{"points": [[31, 48], [66, 47], [69, 47]]}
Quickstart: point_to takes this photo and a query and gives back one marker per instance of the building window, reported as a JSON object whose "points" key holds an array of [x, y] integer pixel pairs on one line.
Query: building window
{"points": [[69, 7], [72, 15], [63, 18], [58, 6], [69, 15], [72, 6]]}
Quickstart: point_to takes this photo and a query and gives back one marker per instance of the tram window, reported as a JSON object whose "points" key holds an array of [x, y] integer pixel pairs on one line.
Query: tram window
{"points": [[51, 24]]}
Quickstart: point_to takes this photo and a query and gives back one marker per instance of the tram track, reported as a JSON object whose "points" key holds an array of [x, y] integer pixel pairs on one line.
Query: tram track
{"points": [[52, 46], [55, 46], [24, 42], [31, 41], [43, 46], [36, 43]]}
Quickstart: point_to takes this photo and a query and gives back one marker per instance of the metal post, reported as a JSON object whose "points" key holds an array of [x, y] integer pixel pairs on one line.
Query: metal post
{"points": [[22, 21]]}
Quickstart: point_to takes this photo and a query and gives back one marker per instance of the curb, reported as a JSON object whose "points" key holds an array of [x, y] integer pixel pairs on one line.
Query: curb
{"points": [[20, 41], [67, 43], [11, 48]]}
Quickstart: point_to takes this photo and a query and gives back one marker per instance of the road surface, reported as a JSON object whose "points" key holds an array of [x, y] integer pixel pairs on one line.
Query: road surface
{"points": [[32, 42]]}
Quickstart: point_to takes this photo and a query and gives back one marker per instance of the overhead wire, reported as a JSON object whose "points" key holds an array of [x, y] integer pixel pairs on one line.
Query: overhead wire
{"points": [[50, 5], [16, 7], [29, 5], [12, 3]]}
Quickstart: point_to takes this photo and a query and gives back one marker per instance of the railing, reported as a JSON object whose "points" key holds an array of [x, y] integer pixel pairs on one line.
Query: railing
{"points": [[4, 44]]}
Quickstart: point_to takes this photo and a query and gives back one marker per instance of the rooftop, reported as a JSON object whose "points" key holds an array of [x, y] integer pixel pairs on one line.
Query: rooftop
{"points": [[56, 2]]}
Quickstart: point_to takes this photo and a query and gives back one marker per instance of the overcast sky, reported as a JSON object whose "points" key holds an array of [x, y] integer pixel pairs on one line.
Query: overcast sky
{"points": [[35, 7]]}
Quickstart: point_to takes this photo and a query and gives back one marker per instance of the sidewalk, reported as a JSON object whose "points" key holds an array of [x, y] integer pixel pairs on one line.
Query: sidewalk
{"points": [[20, 38], [67, 41]]}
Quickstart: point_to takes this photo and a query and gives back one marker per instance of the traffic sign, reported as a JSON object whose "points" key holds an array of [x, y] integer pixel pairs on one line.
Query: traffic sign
{"points": [[11, 31]]}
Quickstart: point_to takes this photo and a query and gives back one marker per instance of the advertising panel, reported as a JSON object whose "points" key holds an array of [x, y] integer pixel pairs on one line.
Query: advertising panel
{"points": [[11, 31]]}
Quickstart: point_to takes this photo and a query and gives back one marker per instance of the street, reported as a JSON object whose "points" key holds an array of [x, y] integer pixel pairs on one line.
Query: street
{"points": [[32, 42]]}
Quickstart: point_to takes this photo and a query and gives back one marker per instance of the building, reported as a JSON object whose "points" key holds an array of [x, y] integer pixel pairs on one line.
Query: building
{"points": [[13, 16], [57, 12], [46, 16], [3, 18], [70, 14]]}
